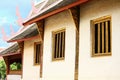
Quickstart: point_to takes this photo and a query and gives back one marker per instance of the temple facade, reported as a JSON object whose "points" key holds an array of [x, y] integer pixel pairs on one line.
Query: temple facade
{"points": [[68, 40]]}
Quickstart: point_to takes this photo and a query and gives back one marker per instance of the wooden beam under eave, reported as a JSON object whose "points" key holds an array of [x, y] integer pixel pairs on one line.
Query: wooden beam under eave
{"points": [[75, 13], [21, 46], [55, 12], [40, 27]]}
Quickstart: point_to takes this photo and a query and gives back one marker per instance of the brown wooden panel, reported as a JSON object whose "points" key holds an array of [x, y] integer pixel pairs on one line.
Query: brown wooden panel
{"points": [[40, 24], [15, 72]]}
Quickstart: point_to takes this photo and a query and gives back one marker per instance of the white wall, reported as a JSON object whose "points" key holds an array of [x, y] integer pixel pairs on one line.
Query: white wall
{"points": [[13, 77], [30, 71], [59, 70], [99, 68]]}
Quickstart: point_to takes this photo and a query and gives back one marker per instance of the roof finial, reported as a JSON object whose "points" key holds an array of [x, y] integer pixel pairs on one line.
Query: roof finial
{"points": [[20, 19]]}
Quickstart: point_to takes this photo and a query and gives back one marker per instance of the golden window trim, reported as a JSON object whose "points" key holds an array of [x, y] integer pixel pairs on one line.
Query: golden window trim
{"points": [[58, 31], [98, 21], [58, 59], [34, 62], [101, 19], [53, 45], [101, 54]]}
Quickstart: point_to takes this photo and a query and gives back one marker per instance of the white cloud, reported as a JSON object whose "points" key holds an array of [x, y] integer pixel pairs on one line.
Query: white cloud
{"points": [[3, 20], [3, 43]]}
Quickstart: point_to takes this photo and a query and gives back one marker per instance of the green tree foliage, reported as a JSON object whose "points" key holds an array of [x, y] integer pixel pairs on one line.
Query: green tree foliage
{"points": [[15, 66], [2, 69]]}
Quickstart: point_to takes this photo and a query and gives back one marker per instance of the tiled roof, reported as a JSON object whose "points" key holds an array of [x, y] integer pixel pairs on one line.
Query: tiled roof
{"points": [[13, 48], [51, 5], [28, 31]]}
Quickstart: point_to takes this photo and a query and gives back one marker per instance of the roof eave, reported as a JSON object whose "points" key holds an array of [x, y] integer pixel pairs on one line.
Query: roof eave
{"points": [[10, 54], [32, 20], [23, 39], [21, 32]]}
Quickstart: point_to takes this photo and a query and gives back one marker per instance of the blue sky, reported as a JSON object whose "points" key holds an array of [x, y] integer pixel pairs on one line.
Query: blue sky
{"points": [[8, 15]]}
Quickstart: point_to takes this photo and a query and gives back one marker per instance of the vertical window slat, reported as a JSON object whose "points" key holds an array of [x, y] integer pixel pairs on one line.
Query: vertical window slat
{"points": [[99, 38], [93, 37], [106, 23], [59, 44], [63, 52], [57, 47], [63, 45], [103, 37]]}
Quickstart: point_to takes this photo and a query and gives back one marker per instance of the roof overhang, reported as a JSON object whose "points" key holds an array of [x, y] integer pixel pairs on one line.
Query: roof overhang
{"points": [[10, 54], [39, 17], [11, 50], [26, 33]]}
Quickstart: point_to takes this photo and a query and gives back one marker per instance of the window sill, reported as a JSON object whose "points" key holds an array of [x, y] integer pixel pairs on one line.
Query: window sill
{"points": [[101, 54], [36, 64], [58, 59]]}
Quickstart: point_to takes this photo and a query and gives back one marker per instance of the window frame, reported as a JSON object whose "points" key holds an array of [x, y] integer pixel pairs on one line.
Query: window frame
{"points": [[97, 21], [35, 44], [53, 41]]}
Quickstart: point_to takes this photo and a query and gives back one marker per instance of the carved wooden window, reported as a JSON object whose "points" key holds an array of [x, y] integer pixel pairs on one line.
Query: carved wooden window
{"points": [[59, 45], [101, 36], [37, 51]]}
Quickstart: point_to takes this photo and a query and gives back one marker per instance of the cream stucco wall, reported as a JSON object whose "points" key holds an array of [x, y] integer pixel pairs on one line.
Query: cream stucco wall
{"points": [[99, 68], [30, 71], [59, 70], [13, 77]]}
